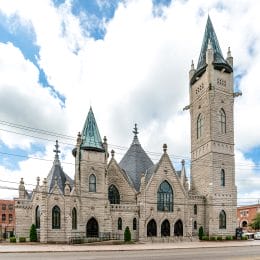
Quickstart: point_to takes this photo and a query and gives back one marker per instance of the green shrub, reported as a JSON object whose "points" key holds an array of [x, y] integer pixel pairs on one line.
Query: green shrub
{"points": [[229, 238], [201, 232], [13, 239], [127, 234], [205, 238], [33, 233], [212, 238], [244, 238], [22, 239], [219, 238]]}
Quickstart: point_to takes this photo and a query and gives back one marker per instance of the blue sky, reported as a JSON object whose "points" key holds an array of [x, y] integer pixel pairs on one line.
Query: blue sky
{"points": [[59, 57]]}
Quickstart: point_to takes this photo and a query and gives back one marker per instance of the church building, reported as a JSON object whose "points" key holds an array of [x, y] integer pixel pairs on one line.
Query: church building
{"points": [[154, 200]]}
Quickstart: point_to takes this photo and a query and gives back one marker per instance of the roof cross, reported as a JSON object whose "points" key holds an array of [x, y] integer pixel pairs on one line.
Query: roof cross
{"points": [[56, 150]]}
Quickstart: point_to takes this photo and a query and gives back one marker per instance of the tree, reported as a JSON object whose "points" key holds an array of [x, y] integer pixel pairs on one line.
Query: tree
{"points": [[127, 234], [201, 232], [255, 224], [33, 233]]}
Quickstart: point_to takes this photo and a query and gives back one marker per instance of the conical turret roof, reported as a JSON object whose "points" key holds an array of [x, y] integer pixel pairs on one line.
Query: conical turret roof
{"points": [[91, 139], [135, 161]]}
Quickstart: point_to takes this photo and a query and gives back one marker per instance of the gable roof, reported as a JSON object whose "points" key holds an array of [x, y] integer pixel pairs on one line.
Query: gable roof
{"points": [[91, 139], [135, 162]]}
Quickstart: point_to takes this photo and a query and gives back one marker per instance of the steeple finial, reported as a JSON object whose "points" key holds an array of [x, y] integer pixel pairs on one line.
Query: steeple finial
{"points": [[135, 130], [56, 150], [192, 65]]}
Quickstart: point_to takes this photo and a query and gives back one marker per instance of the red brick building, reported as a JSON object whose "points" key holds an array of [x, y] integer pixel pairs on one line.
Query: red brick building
{"points": [[7, 218], [246, 214]]}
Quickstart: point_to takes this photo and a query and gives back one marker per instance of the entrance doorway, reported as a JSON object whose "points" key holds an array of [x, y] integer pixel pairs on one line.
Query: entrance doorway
{"points": [[92, 228], [165, 228], [151, 228], [178, 228]]}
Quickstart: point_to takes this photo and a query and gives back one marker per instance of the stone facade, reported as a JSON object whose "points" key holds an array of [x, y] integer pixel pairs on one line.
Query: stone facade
{"points": [[154, 200]]}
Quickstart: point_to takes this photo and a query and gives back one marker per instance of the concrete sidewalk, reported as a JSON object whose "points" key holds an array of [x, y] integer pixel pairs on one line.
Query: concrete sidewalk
{"points": [[27, 247]]}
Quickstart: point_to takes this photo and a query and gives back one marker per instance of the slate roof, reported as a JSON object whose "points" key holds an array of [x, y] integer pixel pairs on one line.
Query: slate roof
{"points": [[57, 174], [91, 139], [135, 162]]}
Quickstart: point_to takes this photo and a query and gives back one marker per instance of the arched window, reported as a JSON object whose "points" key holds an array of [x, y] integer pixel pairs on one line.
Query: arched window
{"points": [[113, 195], [199, 126], [37, 217], [134, 223], [222, 178], [223, 123], [151, 228], [56, 217], [74, 218], [165, 197], [165, 228], [195, 225], [195, 209], [119, 224], [92, 183], [222, 219]]}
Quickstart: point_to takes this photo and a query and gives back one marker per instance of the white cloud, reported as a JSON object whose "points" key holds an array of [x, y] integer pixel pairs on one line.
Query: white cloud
{"points": [[137, 74]]}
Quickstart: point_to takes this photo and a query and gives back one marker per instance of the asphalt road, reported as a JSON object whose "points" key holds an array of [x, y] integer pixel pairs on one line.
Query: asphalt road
{"points": [[225, 253]]}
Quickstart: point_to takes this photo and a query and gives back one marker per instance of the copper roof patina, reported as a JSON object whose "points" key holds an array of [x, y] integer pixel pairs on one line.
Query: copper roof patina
{"points": [[91, 139]]}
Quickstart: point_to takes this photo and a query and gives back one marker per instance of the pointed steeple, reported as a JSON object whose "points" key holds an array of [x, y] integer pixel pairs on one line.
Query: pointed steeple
{"points": [[210, 39], [91, 139]]}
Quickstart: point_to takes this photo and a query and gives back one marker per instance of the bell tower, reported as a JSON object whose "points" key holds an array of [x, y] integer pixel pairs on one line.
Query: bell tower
{"points": [[212, 135]]}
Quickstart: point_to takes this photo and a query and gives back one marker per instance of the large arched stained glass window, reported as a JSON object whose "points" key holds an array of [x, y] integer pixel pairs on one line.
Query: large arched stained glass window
{"points": [[92, 183], [56, 217], [165, 197], [223, 121], [222, 219], [37, 217], [199, 126], [74, 218], [113, 195]]}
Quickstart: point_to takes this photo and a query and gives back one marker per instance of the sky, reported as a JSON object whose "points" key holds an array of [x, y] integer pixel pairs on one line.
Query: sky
{"points": [[129, 60]]}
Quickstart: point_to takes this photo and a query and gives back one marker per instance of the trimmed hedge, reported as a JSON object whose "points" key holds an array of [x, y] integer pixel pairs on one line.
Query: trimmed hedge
{"points": [[13, 239], [219, 238], [22, 239], [229, 237], [205, 238]]}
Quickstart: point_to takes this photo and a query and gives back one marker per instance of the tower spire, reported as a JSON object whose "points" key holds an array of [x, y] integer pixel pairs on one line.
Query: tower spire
{"points": [[210, 39], [91, 139]]}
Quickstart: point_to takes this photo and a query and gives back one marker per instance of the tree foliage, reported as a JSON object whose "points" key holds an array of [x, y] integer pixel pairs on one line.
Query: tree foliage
{"points": [[255, 224], [127, 234], [33, 233]]}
